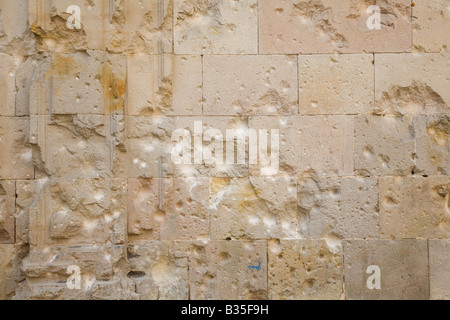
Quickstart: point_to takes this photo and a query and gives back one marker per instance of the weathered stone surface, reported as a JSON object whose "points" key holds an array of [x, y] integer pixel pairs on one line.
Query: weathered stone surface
{"points": [[164, 85], [7, 208], [327, 26], [403, 266], [168, 209], [342, 208], [327, 84], [7, 85], [256, 85], [431, 26], [255, 208], [408, 84], [11, 257], [432, 143], [384, 146], [439, 254], [414, 207], [27, 193], [312, 145], [305, 269], [16, 155], [215, 27]]}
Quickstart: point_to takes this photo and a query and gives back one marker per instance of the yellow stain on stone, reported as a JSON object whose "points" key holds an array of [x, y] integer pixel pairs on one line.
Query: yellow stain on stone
{"points": [[440, 137], [64, 66], [113, 89]]}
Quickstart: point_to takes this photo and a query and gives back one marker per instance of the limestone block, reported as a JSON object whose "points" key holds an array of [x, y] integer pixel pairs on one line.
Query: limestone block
{"points": [[10, 269], [414, 207], [311, 145], [16, 155], [431, 26], [256, 85], [215, 27], [25, 77], [255, 208], [433, 147], [168, 209], [226, 270], [402, 267], [342, 208], [305, 269], [408, 84], [79, 212], [7, 208], [157, 272], [439, 253], [384, 146], [15, 37], [27, 193], [327, 26], [334, 84], [8, 65], [164, 85]]}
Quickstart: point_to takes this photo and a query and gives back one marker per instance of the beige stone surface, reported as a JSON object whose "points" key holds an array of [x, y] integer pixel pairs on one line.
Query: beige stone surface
{"points": [[415, 84], [7, 211], [439, 269], [431, 25], [256, 85], [403, 266], [384, 146], [215, 27], [327, 84], [11, 257], [339, 208], [7, 85], [414, 207], [327, 26], [27, 193], [305, 270]]}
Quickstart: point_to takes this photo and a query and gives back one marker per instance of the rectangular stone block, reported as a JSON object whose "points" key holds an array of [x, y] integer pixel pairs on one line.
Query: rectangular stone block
{"points": [[432, 144], [311, 145], [384, 146], [328, 84], [7, 211], [225, 270], [79, 212], [342, 208], [327, 26], [255, 208], [386, 270], [305, 270], [168, 209], [164, 85], [215, 27], [407, 84], [414, 207], [431, 26], [16, 156], [256, 85], [439, 253]]}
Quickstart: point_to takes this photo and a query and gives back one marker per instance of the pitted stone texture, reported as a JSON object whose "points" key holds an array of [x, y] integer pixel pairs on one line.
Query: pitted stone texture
{"points": [[168, 209], [311, 145], [255, 85], [384, 146], [158, 273], [255, 208], [27, 193], [327, 26], [46, 271], [15, 36], [431, 26], [11, 257], [408, 84], [433, 146], [403, 268], [439, 252], [226, 270], [7, 211], [79, 212], [305, 270], [414, 207], [16, 155], [328, 84], [215, 27], [164, 85], [343, 208]]}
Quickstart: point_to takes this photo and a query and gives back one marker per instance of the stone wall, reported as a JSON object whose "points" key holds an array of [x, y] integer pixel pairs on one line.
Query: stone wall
{"points": [[350, 102]]}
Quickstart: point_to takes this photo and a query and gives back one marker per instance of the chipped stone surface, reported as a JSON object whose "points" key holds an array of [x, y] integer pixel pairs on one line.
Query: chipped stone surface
{"points": [[7, 208], [327, 26], [11, 257], [439, 269], [403, 266], [414, 207], [305, 269]]}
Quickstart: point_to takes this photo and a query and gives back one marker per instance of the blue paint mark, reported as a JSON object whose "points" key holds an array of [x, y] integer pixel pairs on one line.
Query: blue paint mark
{"points": [[258, 267]]}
